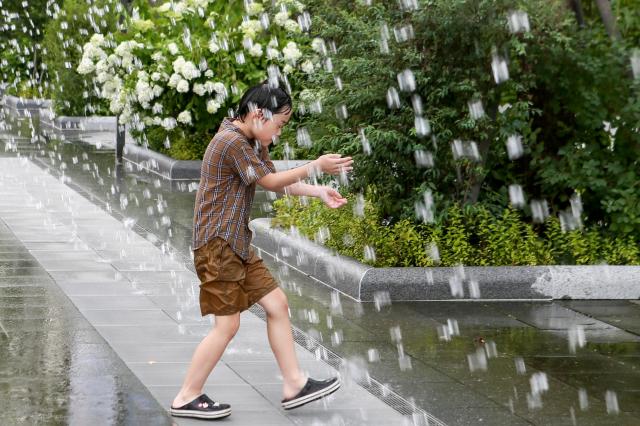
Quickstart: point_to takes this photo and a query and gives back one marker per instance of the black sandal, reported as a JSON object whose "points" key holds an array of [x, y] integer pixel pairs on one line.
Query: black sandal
{"points": [[313, 390], [202, 408]]}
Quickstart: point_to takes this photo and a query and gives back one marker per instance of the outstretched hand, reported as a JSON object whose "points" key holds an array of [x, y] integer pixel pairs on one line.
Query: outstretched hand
{"points": [[331, 197], [333, 164]]}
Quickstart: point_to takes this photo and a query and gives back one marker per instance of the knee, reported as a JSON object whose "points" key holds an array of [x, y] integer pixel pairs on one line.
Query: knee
{"points": [[279, 306], [228, 326]]}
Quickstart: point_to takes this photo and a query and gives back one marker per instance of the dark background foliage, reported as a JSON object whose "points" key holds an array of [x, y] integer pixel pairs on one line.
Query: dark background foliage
{"points": [[565, 82]]}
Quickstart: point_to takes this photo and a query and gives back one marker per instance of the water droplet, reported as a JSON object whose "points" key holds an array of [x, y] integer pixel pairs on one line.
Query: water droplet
{"points": [[476, 110], [423, 128], [393, 98], [423, 158], [514, 147], [500, 69], [303, 138], [403, 33], [406, 81], [381, 299], [518, 21], [611, 399], [576, 337], [516, 196]]}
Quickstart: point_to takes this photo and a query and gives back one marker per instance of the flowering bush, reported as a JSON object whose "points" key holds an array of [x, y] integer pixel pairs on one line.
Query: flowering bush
{"points": [[181, 65]]}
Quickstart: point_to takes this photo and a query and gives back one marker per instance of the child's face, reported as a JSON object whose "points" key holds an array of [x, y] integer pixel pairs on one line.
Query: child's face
{"points": [[265, 128]]}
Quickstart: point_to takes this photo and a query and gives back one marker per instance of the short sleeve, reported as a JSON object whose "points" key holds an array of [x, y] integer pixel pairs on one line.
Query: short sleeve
{"points": [[245, 162], [264, 156]]}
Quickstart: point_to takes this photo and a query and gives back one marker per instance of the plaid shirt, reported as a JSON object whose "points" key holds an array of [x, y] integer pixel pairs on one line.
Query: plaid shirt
{"points": [[230, 168]]}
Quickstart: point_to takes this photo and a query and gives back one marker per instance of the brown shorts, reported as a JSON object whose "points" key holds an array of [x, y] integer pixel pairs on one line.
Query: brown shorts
{"points": [[229, 284]]}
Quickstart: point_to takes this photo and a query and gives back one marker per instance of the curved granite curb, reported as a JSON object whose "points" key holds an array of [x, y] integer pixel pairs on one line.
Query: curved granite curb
{"points": [[172, 169], [88, 124], [362, 282], [18, 105]]}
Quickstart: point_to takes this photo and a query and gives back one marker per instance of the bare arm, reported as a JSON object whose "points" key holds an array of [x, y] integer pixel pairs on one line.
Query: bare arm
{"points": [[301, 188], [277, 181], [329, 163]]}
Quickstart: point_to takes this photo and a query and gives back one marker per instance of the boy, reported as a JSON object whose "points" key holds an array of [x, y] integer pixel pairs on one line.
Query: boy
{"points": [[232, 277]]}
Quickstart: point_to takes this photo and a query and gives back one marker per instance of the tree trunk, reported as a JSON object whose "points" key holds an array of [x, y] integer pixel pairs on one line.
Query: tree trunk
{"points": [[576, 6], [604, 7]]}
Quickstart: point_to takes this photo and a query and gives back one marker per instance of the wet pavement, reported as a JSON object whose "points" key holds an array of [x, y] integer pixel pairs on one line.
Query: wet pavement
{"points": [[54, 366], [507, 363]]}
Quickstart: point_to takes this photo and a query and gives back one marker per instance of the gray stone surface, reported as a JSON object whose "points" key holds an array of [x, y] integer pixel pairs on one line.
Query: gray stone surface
{"points": [[154, 332], [494, 283]]}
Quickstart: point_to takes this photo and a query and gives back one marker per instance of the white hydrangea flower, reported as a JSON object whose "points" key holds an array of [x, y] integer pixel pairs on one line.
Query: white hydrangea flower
{"points": [[253, 8], [158, 56], [273, 53], [273, 42], [292, 26], [143, 92], [199, 89], [102, 66], [317, 44], [126, 47], [85, 66], [281, 18], [208, 73], [287, 69], [307, 66], [220, 88], [173, 48], [174, 80], [157, 121], [97, 40], [93, 52], [116, 105], [183, 86], [291, 53], [157, 108], [212, 106], [298, 5], [103, 77], [213, 46], [184, 117], [164, 7], [179, 8], [156, 76], [113, 60], [157, 90], [256, 50], [250, 28], [125, 114], [190, 70], [148, 121], [178, 64], [169, 123]]}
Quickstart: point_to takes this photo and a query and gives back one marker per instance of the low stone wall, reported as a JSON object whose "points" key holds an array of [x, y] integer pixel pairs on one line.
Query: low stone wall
{"points": [[363, 282], [24, 106], [88, 124], [71, 128]]}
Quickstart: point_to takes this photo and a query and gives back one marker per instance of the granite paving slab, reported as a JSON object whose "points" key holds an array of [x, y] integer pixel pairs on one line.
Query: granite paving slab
{"points": [[150, 330]]}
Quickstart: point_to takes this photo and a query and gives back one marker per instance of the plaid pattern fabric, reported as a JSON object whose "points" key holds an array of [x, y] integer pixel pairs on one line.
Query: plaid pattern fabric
{"points": [[230, 168]]}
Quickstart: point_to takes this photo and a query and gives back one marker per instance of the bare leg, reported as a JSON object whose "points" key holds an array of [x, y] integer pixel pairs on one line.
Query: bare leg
{"points": [[281, 340], [206, 356]]}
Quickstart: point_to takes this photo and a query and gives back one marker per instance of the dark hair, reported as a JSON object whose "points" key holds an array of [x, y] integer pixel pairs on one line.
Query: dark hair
{"points": [[273, 99]]}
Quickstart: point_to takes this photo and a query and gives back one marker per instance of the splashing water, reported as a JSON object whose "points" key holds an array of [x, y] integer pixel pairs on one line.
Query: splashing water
{"points": [[518, 22]]}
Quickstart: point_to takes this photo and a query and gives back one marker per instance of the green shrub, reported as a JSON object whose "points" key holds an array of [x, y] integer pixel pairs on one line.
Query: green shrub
{"points": [[20, 48], [564, 83], [64, 36], [472, 237]]}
